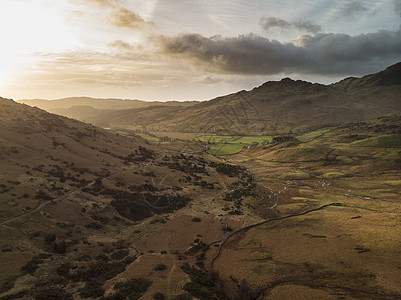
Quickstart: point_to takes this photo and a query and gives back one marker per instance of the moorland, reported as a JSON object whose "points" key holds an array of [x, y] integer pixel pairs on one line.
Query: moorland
{"points": [[288, 191]]}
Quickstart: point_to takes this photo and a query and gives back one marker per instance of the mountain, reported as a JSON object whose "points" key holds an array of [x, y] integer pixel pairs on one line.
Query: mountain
{"points": [[293, 106], [276, 107], [86, 108]]}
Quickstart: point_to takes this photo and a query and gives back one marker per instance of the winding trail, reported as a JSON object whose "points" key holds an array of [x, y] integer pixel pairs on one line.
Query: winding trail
{"points": [[224, 240], [70, 193]]}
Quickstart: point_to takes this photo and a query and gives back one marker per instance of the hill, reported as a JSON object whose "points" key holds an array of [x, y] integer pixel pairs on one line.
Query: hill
{"points": [[276, 107], [293, 106], [336, 196], [86, 212], [87, 109]]}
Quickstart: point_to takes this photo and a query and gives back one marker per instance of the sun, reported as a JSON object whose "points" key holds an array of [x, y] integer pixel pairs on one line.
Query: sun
{"points": [[29, 27]]}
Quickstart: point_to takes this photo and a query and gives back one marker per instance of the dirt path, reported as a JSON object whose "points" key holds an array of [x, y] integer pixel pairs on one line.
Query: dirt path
{"points": [[264, 222], [45, 203], [70, 193]]}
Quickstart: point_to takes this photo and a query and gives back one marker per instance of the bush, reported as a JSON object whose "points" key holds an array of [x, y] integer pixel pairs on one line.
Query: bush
{"points": [[50, 238], [63, 269], [52, 293], [31, 266], [43, 196], [94, 225], [133, 288], [100, 272], [158, 296], [60, 248], [8, 284], [120, 254], [92, 289], [160, 267], [196, 219]]}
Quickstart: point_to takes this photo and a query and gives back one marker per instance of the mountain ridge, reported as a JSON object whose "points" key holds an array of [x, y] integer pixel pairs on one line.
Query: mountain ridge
{"points": [[275, 107]]}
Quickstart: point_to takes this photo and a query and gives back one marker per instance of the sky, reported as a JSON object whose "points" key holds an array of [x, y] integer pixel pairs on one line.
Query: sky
{"points": [[188, 49]]}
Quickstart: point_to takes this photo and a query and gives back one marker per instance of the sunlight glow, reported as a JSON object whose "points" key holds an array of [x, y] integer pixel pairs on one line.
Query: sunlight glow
{"points": [[26, 28]]}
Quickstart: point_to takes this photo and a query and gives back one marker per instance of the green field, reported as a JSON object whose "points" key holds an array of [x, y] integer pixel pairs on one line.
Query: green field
{"points": [[230, 144], [233, 139], [383, 141], [225, 149], [149, 137], [306, 137]]}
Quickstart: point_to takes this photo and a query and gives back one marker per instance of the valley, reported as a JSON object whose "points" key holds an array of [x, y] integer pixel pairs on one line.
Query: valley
{"points": [[202, 200]]}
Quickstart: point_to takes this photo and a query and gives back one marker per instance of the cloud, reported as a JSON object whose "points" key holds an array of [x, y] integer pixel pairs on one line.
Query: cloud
{"points": [[397, 6], [242, 54], [267, 23], [122, 17], [318, 54], [110, 3], [209, 79], [121, 45], [353, 8], [119, 15], [307, 26]]}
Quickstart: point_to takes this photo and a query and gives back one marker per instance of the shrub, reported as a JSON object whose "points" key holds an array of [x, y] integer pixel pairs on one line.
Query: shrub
{"points": [[31, 266], [120, 254], [63, 269], [158, 296], [133, 288], [8, 284], [160, 267], [50, 238], [92, 289], [60, 248], [196, 219], [94, 225], [52, 293]]}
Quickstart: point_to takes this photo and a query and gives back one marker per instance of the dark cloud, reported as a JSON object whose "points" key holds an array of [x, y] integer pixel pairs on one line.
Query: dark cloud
{"points": [[319, 54], [397, 6], [353, 8], [269, 22], [307, 26], [122, 17], [242, 54]]}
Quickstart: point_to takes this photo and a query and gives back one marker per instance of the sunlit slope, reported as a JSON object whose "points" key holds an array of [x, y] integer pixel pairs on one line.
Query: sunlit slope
{"points": [[310, 250]]}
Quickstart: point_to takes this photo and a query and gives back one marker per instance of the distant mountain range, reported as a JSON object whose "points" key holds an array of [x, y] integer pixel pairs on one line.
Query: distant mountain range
{"points": [[276, 107]]}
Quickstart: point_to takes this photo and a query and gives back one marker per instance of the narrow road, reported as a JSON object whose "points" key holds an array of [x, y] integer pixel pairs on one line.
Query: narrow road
{"points": [[264, 222], [224, 236]]}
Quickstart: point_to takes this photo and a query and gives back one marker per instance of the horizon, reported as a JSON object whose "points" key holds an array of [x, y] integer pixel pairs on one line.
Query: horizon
{"points": [[199, 100], [135, 50]]}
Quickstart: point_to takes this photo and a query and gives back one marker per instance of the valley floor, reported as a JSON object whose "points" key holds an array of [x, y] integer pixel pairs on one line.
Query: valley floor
{"points": [[317, 218]]}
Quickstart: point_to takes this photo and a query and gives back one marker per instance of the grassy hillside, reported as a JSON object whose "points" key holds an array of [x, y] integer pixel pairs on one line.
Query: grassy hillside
{"points": [[289, 106], [309, 250], [99, 111], [86, 212]]}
